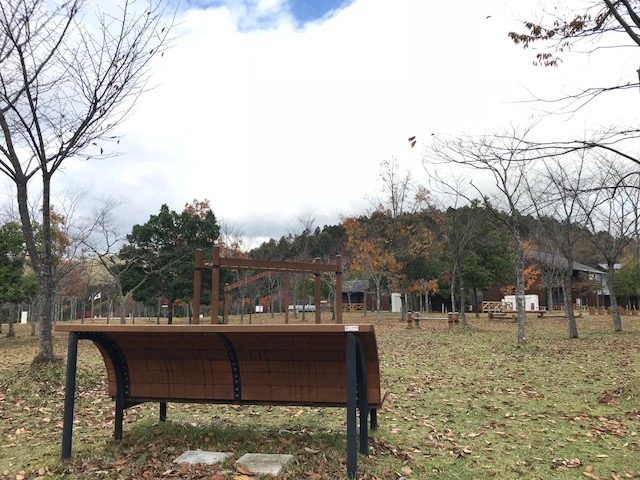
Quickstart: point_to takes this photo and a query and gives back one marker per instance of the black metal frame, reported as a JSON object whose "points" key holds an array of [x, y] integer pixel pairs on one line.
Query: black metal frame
{"points": [[121, 371], [235, 366], [356, 382]]}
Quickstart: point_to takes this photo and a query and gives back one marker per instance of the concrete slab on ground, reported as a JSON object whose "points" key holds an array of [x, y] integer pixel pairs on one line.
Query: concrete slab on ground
{"points": [[264, 463], [193, 457]]}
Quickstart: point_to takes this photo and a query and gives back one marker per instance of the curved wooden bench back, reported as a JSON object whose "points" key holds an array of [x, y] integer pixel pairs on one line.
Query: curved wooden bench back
{"points": [[327, 365], [262, 364]]}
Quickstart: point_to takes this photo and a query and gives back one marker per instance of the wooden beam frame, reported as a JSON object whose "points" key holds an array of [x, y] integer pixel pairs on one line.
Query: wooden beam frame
{"points": [[266, 266]]}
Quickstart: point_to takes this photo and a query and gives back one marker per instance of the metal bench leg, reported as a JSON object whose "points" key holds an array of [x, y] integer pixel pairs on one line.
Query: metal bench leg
{"points": [[163, 411], [352, 454], [363, 401], [374, 418], [69, 395], [119, 416]]}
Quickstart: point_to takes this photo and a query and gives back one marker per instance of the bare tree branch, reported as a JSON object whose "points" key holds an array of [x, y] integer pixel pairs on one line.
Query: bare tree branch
{"points": [[65, 85]]}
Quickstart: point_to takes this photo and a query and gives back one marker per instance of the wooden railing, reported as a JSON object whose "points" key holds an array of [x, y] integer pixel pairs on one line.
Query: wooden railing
{"points": [[353, 307], [497, 306]]}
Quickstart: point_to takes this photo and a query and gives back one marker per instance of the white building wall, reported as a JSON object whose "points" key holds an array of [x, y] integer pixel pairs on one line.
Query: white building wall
{"points": [[531, 303], [396, 303]]}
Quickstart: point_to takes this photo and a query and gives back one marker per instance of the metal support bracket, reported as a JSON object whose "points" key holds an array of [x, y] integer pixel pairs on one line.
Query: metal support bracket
{"points": [[235, 365], [121, 371]]}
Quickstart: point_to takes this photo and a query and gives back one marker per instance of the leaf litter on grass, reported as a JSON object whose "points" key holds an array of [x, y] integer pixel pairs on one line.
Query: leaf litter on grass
{"points": [[460, 405]]}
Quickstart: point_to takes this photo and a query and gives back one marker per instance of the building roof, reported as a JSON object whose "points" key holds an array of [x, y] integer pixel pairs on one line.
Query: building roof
{"points": [[557, 261], [355, 286]]}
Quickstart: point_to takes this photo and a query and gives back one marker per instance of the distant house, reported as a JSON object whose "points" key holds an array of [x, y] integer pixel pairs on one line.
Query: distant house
{"points": [[633, 301], [356, 297], [588, 283]]}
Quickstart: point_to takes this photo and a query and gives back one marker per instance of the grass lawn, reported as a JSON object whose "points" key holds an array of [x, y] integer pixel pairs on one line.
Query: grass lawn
{"points": [[460, 405]]}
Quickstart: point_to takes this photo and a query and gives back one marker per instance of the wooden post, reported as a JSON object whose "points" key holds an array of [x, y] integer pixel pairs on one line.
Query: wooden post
{"points": [[225, 307], [286, 297], [215, 283], [339, 288], [317, 294], [197, 274]]}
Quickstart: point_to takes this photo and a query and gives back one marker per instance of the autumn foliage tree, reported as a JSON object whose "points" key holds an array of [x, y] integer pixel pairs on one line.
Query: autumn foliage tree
{"points": [[401, 220], [424, 287], [370, 256], [531, 271]]}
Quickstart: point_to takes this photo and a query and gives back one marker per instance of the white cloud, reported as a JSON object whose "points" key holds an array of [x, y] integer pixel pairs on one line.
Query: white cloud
{"points": [[268, 120]]}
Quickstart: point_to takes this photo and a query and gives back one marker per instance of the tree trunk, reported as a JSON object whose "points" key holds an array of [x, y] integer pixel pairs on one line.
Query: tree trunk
{"points": [[453, 289], [122, 299], [170, 311], [364, 305], [617, 321], [550, 299], [462, 300], [475, 302], [11, 333], [568, 303], [521, 313], [33, 315], [41, 261], [46, 325]]}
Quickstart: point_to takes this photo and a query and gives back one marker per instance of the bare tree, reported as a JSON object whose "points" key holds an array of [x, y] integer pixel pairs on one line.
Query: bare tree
{"points": [[64, 88], [554, 190], [504, 157], [103, 237], [589, 28], [598, 25], [612, 219], [400, 195], [460, 225], [235, 243]]}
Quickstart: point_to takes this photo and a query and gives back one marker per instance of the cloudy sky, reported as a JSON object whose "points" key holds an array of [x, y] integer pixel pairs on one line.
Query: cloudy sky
{"points": [[280, 109]]}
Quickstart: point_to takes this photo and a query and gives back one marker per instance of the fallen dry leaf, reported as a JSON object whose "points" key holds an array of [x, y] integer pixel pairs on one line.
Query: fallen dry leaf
{"points": [[242, 469]]}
